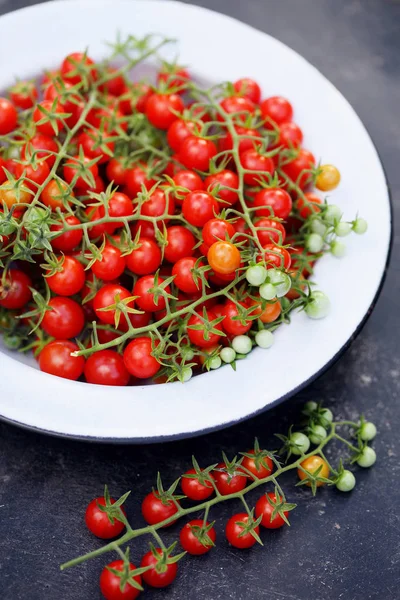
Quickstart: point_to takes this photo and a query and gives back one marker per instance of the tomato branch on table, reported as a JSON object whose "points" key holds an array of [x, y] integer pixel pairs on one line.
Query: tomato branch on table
{"points": [[229, 480]]}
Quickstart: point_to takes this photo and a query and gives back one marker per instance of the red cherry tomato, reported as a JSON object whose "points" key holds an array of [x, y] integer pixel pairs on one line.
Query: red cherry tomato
{"points": [[24, 94], [308, 205], [138, 358], [298, 169], [155, 509], [248, 88], [110, 584], [249, 139], [271, 202], [50, 126], [290, 135], [180, 243], [228, 483], [185, 280], [158, 577], [72, 169], [161, 109], [264, 509], [239, 106], [199, 207], [258, 468], [189, 180], [202, 338], [111, 265], [65, 320], [224, 179], [108, 296], [69, 240], [56, 359], [44, 146], [176, 77], [196, 153], [146, 299], [194, 489], [179, 130], [276, 109], [69, 279], [274, 256], [234, 532], [106, 367], [145, 259], [74, 65], [8, 116], [263, 167], [190, 540], [98, 522], [231, 323], [15, 290], [269, 231], [136, 179], [217, 229]]}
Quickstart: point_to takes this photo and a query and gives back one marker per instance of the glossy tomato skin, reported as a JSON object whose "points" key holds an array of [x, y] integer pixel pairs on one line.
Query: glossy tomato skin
{"points": [[225, 179], [197, 337], [179, 130], [237, 104], [155, 578], [98, 521], [233, 531], [269, 231], [190, 543], [33, 177], [223, 257], [308, 205], [227, 483], [194, 489], [15, 292], [196, 153], [252, 160], [273, 202], [264, 510], [145, 259], [276, 109], [106, 367], [184, 279], [8, 116], [250, 139], [248, 88], [111, 265], [294, 169], [107, 296], [65, 320], [154, 510], [145, 299], [47, 127], [217, 229], [158, 204], [180, 243], [260, 471], [174, 78], [87, 140], [69, 280], [24, 94], [159, 109], [275, 256], [230, 324], [290, 135], [116, 172], [56, 359], [110, 583], [189, 180], [138, 358], [136, 178], [69, 240], [199, 207]]}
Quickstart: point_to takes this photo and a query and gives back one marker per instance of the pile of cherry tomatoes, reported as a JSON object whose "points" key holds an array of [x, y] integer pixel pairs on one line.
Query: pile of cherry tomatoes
{"points": [[149, 232]]}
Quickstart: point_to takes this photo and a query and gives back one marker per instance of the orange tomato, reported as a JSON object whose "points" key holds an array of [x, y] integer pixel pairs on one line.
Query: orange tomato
{"points": [[268, 314], [55, 194], [223, 258], [312, 464]]}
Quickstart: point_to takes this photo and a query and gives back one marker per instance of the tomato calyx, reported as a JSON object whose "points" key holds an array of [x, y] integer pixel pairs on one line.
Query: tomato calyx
{"points": [[207, 326], [168, 496], [164, 557], [250, 526], [313, 479], [261, 458], [203, 476], [231, 467], [201, 533], [113, 509], [279, 506], [127, 575]]}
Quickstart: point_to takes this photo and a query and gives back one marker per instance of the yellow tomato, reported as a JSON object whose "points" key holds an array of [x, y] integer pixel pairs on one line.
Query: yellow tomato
{"points": [[328, 179]]}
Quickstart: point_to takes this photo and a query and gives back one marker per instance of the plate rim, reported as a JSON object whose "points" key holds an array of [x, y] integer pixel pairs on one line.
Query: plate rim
{"points": [[192, 434]]}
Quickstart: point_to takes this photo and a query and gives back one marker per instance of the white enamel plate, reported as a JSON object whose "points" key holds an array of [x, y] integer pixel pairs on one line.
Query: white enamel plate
{"points": [[216, 48]]}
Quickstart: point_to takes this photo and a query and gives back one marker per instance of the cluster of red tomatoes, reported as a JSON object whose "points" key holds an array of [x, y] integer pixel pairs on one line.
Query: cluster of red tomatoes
{"points": [[199, 192], [106, 518]]}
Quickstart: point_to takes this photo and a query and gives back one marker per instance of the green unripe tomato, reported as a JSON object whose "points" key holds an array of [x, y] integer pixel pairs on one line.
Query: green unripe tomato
{"points": [[360, 226], [338, 249], [318, 305], [314, 243], [215, 363], [317, 435], [267, 291], [367, 431], [256, 275], [367, 458], [264, 338], [332, 213], [227, 355], [311, 405], [346, 481], [242, 344], [342, 229], [299, 443]]}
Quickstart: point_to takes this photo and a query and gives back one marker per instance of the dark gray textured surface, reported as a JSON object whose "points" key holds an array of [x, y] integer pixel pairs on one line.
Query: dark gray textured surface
{"points": [[339, 547]]}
